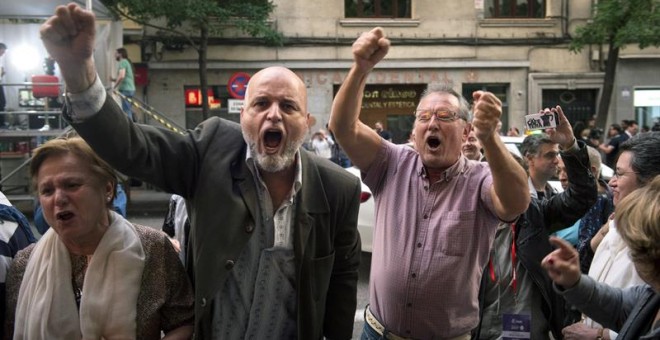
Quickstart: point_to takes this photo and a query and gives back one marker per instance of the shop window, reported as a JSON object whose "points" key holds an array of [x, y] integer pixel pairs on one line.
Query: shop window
{"points": [[647, 108], [218, 97], [377, 8], [391, 104], [515, 8]]}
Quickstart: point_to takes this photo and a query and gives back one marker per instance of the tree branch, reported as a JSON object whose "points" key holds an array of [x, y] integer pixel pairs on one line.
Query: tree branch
{"points": [[145, 23]]}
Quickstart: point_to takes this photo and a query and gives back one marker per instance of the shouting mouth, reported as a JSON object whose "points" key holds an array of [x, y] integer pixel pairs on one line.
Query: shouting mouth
{"points": [[272, 140], [64, 216], [433, 142]]}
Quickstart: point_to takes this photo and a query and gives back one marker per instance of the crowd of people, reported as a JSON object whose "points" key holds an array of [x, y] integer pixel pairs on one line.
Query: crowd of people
{"points": [[266, 244]]}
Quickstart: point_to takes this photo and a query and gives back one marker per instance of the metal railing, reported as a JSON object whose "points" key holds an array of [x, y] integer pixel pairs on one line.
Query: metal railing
{"points": [[146, 109], [152, 113]]}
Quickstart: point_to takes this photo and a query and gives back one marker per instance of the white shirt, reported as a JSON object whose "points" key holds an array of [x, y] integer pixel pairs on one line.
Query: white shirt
{"points": [[4, 200], [2, 68], [612, 265]]}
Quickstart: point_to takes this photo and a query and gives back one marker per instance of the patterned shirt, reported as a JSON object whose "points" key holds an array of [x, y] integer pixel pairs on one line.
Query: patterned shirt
{"points": [[590, 224], [431, 243], [258, 300]]}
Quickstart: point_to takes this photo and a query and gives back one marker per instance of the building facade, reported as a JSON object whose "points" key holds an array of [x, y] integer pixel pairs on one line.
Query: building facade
{"points": [[516, 49]]}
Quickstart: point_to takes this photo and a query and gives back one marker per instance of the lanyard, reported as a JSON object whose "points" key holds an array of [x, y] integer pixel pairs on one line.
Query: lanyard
{"points": [[514, 260]]}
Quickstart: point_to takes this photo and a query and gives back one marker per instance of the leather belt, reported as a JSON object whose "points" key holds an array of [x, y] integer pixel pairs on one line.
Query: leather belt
{"points": [[379, 328]]}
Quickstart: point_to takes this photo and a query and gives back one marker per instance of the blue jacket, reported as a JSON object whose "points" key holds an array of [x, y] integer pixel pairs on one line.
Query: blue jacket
{"points": [[11, 241], [9, 213]]}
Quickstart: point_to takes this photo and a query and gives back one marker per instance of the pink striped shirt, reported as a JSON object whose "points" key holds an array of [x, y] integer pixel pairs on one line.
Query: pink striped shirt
{"points": [[431, 243]]}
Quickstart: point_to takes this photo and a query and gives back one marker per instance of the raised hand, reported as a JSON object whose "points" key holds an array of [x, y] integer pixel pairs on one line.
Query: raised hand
{"points": [[562, 265], [69, 39], [369, 49], [487, 112], [563, 133]]}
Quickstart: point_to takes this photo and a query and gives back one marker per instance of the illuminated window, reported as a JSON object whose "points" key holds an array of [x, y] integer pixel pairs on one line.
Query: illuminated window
{"points": [[647, 107], [377, 8], [515, 8]]}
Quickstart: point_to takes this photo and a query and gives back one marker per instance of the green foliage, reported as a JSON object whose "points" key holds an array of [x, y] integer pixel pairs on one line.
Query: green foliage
{"points": [[249, 16], [621, 22]]}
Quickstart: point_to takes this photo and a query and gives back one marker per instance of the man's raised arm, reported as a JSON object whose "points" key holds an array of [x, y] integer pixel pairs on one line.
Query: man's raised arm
{"points": [[69, 39], [360, 142], [510, 192]]}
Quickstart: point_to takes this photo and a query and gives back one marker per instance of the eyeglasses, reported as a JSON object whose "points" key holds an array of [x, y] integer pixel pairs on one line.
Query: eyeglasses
{"points": [[425, 115], [622, 173]]}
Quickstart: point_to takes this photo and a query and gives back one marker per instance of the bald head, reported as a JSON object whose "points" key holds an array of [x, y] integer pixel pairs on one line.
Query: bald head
{"points": [[274, 117], [280, 74]]}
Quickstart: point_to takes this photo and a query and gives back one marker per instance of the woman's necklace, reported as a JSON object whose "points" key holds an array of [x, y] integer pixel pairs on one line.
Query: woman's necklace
{"points": [[77, 291]]}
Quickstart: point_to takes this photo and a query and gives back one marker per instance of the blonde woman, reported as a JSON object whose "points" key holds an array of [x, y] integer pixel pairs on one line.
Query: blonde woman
{"points": [[93, 274], [633, 312]]}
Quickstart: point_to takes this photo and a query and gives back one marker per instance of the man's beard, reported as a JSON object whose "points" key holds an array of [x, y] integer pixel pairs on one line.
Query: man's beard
{"points": [[274, 163]]}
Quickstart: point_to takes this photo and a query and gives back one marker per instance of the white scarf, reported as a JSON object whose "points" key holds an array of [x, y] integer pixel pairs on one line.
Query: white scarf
{"points": [[612, 265], [46, 307]]}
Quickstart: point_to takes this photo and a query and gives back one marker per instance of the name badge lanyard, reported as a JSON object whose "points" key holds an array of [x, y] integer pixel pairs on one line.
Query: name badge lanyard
{"points": [[514, 260]]}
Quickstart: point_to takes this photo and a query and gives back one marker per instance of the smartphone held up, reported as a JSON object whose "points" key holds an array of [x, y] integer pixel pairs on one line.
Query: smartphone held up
{"points": [[538, 121]]}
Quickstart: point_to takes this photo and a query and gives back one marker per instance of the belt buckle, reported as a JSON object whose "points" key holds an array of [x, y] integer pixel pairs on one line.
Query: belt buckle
{"points": [[379, 328]]}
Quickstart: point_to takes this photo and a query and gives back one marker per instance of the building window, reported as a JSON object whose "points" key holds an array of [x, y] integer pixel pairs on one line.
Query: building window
{"points": [[647, 108], [515, 8], [377, 8], [500, 91]]}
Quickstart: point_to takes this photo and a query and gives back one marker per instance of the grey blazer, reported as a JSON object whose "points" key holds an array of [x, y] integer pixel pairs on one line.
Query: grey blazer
{"points": [[631, 312], [207, 167]]}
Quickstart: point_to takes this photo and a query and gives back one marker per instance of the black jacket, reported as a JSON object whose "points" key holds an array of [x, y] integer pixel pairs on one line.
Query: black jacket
{"points": [[534, 226]]}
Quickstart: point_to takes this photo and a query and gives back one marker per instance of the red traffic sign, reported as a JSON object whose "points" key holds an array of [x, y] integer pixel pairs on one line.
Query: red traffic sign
{"points": [[237, 84]]}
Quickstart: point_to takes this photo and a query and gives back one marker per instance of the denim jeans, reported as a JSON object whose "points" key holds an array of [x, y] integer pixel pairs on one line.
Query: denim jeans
{"points": [[125, 105], [369, 333]]}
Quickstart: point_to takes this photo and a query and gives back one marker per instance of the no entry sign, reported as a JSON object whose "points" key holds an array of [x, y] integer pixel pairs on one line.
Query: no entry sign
{"points": [[238, 84]]}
